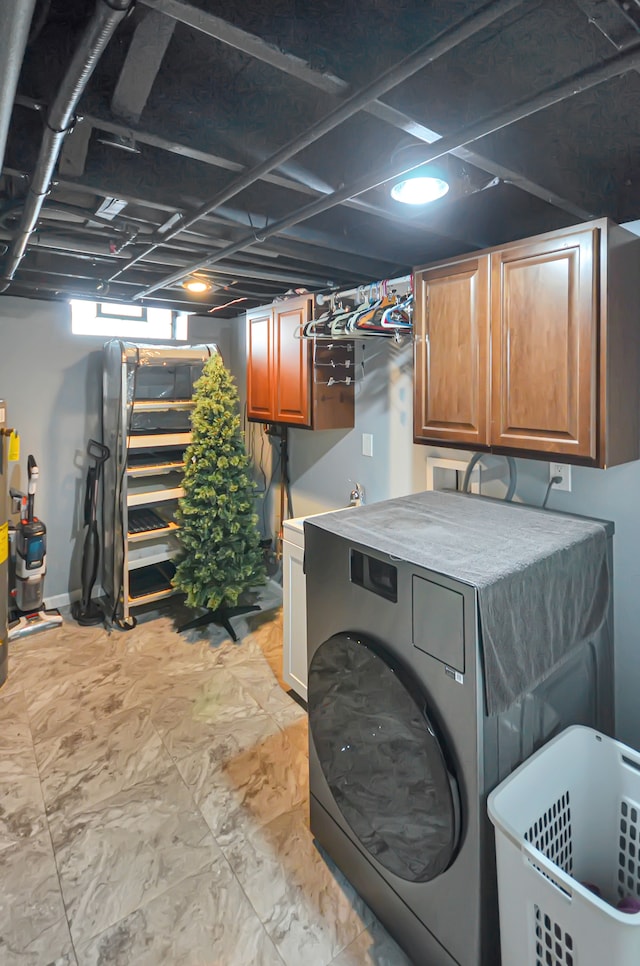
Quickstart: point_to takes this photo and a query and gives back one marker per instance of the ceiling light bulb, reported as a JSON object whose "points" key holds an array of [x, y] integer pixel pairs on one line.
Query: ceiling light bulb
{"points": [[419, 191], [196, 285]]}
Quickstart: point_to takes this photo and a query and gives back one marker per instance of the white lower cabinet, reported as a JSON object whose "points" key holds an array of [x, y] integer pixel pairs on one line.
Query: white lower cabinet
{"points": [[294, 654], [294, 603]]}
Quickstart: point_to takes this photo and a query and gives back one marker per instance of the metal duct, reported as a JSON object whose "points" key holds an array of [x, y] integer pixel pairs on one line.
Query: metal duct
{"points": [[16, 20], [576, 84], [414, 62], [105, 19]]}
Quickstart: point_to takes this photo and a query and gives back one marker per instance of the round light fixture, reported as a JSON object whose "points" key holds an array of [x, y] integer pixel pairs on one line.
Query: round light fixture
{"points": [[419, 190], [196, 286]]}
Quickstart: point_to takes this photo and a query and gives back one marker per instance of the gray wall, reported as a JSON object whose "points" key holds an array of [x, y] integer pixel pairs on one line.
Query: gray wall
{"points": [[52, 382], [325, 465]]}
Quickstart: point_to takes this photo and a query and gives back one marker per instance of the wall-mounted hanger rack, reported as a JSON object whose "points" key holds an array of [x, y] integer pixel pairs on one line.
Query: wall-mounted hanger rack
{"points": [[362, 313], [336, 382], [346, 364], [362, 293]]}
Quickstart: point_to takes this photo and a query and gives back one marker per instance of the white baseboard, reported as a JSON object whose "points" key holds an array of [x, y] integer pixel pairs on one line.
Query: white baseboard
{"points": [[65, 600]]}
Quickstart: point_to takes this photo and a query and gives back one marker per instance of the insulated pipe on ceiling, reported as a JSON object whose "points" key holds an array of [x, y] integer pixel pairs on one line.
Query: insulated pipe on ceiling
{"points": [[160, 261], [50, 239], [71, 214], [582, 81], [420, 58], [16, 20], [27, 273], [106, 17]]}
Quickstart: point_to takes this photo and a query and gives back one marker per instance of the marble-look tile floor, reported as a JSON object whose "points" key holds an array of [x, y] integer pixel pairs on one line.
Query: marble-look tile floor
{"points": [[154, 807]]}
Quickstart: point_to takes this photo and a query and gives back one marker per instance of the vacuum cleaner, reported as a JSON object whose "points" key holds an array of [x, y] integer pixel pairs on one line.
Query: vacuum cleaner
{"points": [[86, 611], [30, 565], [5, 434]]}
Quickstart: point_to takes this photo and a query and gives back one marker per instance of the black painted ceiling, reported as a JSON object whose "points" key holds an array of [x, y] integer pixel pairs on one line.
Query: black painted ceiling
{"points": [[250, 76]]}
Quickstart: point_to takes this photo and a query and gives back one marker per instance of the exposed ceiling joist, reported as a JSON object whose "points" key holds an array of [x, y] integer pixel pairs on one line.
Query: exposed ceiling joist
{"points": [[142, 63], [60, 265], [55, 242], [576, 84], [298, 186], [65, 275], [202, 116], [99, 29], [315, 266], [612, 20], [186, 151], [426, 53], [350, 263], [175, 147], [41, 285], [350, 258], [89, 121], [259, 49], [74, 150], [511, 176], [134, 134]]}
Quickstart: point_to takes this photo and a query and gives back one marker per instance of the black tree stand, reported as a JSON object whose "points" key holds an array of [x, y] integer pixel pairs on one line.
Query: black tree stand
{"points": [[222, 617]]}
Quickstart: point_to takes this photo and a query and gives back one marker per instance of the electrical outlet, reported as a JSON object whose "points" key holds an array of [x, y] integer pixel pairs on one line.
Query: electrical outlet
{"points": [[563, 470], [367, 444]]}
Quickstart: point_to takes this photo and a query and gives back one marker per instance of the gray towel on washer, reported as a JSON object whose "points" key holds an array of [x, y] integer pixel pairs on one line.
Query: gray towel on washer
{"points": [[542, 577]]}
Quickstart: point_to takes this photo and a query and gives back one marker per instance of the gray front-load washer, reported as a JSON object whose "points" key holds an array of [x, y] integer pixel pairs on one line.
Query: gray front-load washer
{"points": [[402, 753]]}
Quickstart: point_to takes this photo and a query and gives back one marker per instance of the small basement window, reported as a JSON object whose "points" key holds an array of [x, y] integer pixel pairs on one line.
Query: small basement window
{"points": [[117, 321]]}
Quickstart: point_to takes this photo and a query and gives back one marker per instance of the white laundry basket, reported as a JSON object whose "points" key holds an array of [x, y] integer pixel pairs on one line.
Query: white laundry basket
{"points": [[569, 815]]}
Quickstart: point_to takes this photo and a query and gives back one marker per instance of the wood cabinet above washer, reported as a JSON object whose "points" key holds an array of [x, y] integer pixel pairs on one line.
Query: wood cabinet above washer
{"points": [[533, 348]]}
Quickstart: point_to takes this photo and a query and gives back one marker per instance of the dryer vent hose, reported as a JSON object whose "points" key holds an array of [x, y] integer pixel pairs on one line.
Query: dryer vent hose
{"points": [[513, 474]]}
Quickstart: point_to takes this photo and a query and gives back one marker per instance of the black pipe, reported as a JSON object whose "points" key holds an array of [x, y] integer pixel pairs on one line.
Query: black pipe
{"points": [[420, 58], [576, 84], [59, 122]]}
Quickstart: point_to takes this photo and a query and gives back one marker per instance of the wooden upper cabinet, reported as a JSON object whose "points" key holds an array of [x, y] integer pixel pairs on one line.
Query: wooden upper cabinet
{"points": [[259, 366], [292, 357], [544, 325], [285, 382], [562, 376], [451, 352]]}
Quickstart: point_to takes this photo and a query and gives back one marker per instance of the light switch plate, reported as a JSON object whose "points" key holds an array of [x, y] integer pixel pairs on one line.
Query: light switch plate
{"points": [[367, 444]]}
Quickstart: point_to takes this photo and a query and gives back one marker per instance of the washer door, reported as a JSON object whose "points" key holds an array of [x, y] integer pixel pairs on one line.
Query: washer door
{"points": [[382, 759]]}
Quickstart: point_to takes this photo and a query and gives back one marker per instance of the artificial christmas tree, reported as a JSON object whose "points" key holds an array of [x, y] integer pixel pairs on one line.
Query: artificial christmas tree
{"points": [[221, 556]]}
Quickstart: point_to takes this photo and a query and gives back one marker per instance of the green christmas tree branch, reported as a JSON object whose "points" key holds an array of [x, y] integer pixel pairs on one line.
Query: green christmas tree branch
{"points": [[221, 556]]}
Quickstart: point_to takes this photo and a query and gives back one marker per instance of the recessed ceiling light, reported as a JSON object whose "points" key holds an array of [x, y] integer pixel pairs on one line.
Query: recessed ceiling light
{"points": [[419, 190], [196, 286]]}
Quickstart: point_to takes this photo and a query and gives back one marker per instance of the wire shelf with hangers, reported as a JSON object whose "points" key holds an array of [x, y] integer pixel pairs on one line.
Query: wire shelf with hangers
{"points": [[381, 309]]}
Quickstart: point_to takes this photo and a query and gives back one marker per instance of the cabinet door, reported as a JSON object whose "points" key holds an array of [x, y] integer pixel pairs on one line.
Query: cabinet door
{"points": [[451, 352], [544, 319], [260, 365], [294, 610], [292, 364]]}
